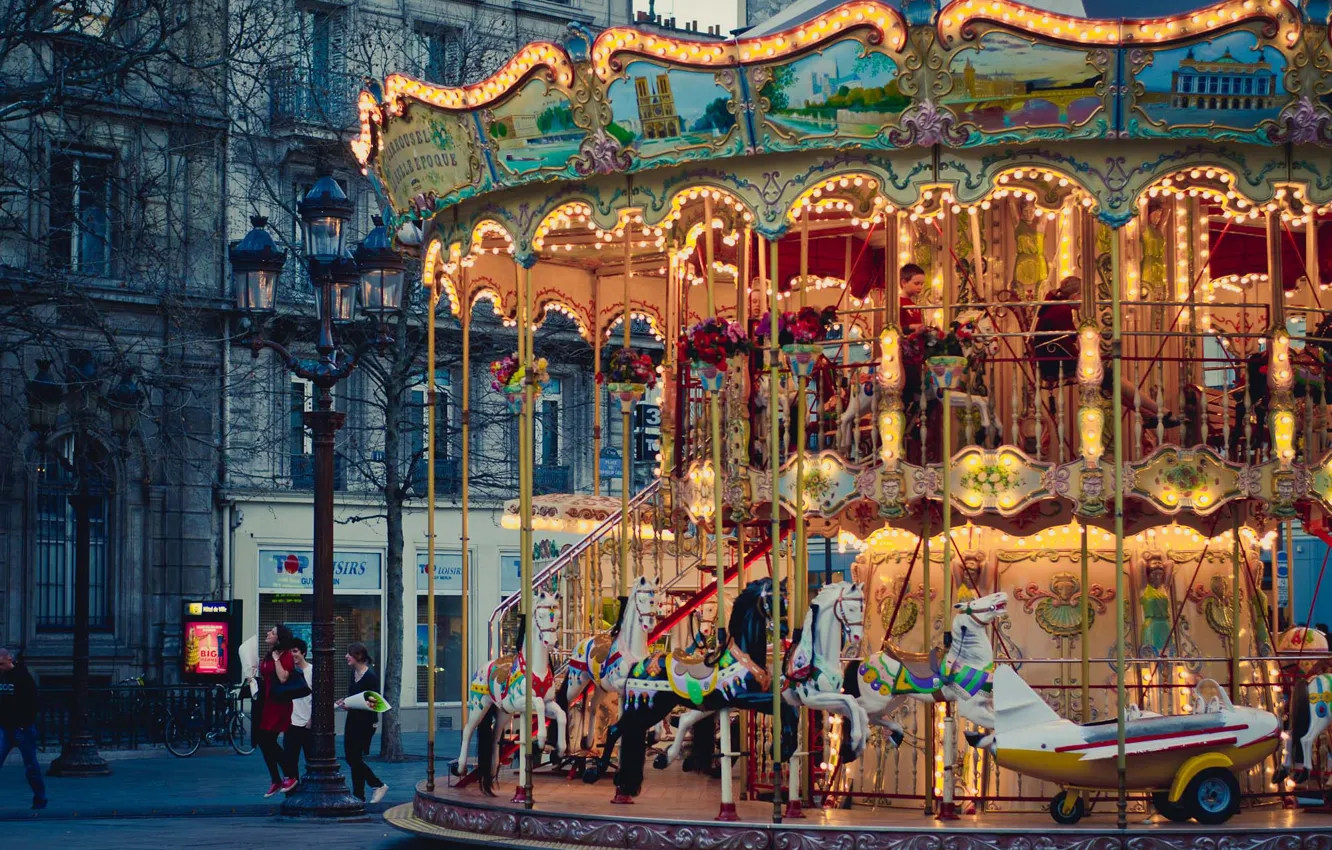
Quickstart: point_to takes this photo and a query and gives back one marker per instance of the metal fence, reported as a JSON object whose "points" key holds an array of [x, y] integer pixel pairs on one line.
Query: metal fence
{"points": [[124, 717]]}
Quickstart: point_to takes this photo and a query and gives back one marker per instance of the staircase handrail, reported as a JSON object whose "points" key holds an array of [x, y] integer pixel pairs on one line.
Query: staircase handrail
{"points": [[564, 559]]}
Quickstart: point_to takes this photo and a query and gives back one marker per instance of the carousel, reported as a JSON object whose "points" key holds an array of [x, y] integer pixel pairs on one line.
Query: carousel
{"points": [[1022, 310]]}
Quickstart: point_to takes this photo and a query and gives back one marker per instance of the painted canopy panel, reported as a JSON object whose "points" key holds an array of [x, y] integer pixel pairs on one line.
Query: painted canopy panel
{"points": [[865, 75]]}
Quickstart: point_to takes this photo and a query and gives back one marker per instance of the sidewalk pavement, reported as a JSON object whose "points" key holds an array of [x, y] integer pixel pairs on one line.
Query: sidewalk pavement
{"points": [[215, 781]]}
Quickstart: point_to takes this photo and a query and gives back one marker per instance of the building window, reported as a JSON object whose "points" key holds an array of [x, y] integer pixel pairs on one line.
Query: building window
{"points": [[448, 473], [54, 549], [548, 425], [81, 211], [1212, 85], [440, 55], [1186, 84]]}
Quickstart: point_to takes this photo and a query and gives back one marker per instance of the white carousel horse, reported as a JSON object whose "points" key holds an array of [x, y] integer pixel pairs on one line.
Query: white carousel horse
{"points": [[606, 660], [814, 667], [859, 403], [785, 398], [501, 686], [1308, 701], [886, 679]]}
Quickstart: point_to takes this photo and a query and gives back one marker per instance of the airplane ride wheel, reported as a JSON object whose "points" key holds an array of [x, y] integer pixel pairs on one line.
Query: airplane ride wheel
{"points": [[1213, 796], [1177, 812], [1064, 812]]}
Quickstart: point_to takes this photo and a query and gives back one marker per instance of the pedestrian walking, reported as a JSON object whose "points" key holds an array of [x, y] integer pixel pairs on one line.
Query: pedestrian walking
{"points": [[18, 721], [360, 728], [277, 689], [296, 740]]}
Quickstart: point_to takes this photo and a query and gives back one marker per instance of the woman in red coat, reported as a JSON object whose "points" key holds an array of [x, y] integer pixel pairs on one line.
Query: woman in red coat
{"points": [[274, 709]]}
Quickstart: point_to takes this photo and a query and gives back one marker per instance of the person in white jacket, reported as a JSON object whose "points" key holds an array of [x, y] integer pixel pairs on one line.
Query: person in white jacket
{"points": [[297, 737]]}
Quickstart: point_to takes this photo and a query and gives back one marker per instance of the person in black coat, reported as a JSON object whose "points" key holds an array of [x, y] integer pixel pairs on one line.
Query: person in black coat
{"points": [[18, 721], [360, 728]]}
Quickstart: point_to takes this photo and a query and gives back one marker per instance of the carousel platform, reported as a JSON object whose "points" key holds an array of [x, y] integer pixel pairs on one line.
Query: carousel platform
{"points": [[675, 812]]}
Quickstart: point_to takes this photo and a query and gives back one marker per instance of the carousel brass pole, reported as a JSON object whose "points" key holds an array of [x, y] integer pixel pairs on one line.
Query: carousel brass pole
{"points": [[596, 397], [929, 636], [775, 468], [430, 539], [741, 579], [466, 436], [626, 464], [1121, 761], [1290, 576], [525, 454], [727, 812], [1235, 585], [947, 803], [799, 771], [1084, 628]]}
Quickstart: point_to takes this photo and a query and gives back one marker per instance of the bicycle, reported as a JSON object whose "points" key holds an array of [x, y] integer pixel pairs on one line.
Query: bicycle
{"points": [[186, 732]]}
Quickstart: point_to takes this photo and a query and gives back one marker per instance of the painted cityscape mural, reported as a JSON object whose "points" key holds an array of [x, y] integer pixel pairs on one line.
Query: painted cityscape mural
{"points": [[534, 130], [1232, 81], [843, 91], [1007, 82], [656, 110]]}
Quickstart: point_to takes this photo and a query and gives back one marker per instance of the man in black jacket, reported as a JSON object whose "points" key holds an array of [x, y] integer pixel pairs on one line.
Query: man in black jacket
{"points": [[18, 721]]}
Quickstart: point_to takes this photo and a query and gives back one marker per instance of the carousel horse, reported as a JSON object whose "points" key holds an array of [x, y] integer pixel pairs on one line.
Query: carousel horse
{"points": [[882, 682], [814, 668], [498, 692], [860, 403], [814, 672], [734, 675], [605, 661], [1308, 694], [785, 398]]}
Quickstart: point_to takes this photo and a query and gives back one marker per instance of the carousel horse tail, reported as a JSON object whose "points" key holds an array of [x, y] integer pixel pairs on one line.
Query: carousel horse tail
{"points": [[702, 747], [1299, 719], [619, 617], [485, 751], [851, 679]]}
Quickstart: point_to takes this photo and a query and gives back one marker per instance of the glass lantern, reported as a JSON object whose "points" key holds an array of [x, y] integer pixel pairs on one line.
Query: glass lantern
{"points": [[256, 264], [325, 211], [342, 283], [381, 271]]}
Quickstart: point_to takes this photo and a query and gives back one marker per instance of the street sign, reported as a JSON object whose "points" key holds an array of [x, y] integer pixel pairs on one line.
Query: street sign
{"points": [[611, 467]]}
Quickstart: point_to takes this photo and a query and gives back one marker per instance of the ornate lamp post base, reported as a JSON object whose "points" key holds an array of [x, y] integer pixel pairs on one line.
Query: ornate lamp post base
{"points": [[79, 757], [323, 794]]}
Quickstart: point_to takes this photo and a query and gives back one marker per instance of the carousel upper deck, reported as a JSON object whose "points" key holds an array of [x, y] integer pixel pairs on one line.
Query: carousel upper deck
{"points": [[1115, 223]]}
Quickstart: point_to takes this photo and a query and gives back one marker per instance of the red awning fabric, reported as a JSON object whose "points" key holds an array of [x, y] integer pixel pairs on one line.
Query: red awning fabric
{"points": [[1243, 250]]}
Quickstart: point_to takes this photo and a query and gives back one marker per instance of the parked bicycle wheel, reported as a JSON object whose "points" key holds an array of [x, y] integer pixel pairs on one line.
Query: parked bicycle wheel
{"points": [[238, 732], [182, 735]]}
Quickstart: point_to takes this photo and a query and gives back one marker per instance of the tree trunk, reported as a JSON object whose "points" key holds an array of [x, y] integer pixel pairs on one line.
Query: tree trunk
{"points": [[390, 742]]}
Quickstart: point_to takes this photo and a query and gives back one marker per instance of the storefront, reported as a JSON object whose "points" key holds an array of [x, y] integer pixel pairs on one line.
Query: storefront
{"points": [[448, 625], [286, 585]]}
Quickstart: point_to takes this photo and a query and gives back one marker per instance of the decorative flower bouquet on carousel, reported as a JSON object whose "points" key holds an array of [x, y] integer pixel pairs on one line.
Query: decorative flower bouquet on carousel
{"points": [[949, 358], [629, 374], [709, 345], [801, 336], [507, 376]]}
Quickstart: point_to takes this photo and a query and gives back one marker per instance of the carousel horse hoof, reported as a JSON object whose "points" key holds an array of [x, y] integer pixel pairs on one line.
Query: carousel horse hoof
{"points": [[897, 735], [1280, 776], [973, 738], [591, 774], [652, 737], [661, 762], [1299, 775]]}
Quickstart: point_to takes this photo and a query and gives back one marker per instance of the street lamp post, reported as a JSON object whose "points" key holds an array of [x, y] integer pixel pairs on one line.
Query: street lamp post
{"points": [[256, 264], [82, 396]]}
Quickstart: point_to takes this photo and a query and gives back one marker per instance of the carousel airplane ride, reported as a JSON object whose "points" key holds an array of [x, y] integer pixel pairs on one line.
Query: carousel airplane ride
{"points": [[1023, 309]]}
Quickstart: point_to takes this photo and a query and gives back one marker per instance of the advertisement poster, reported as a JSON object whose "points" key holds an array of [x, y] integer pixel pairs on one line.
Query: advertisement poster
{"points": [[206, 648], [304, 631], [448, 572], [422, 645]]}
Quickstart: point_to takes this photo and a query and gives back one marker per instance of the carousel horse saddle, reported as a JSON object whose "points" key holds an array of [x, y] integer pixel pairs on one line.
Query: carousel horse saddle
{"points": [[921, 665], [596, 658], [691, 677]]}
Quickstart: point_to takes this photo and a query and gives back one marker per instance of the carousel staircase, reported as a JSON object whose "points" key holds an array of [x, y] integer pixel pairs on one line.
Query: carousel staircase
{"points": [[760, 549]]}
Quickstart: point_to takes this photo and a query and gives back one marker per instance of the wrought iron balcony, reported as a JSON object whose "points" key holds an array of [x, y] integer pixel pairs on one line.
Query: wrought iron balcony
{"points": [[313, 99], [550, 479], [448, 477]]}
